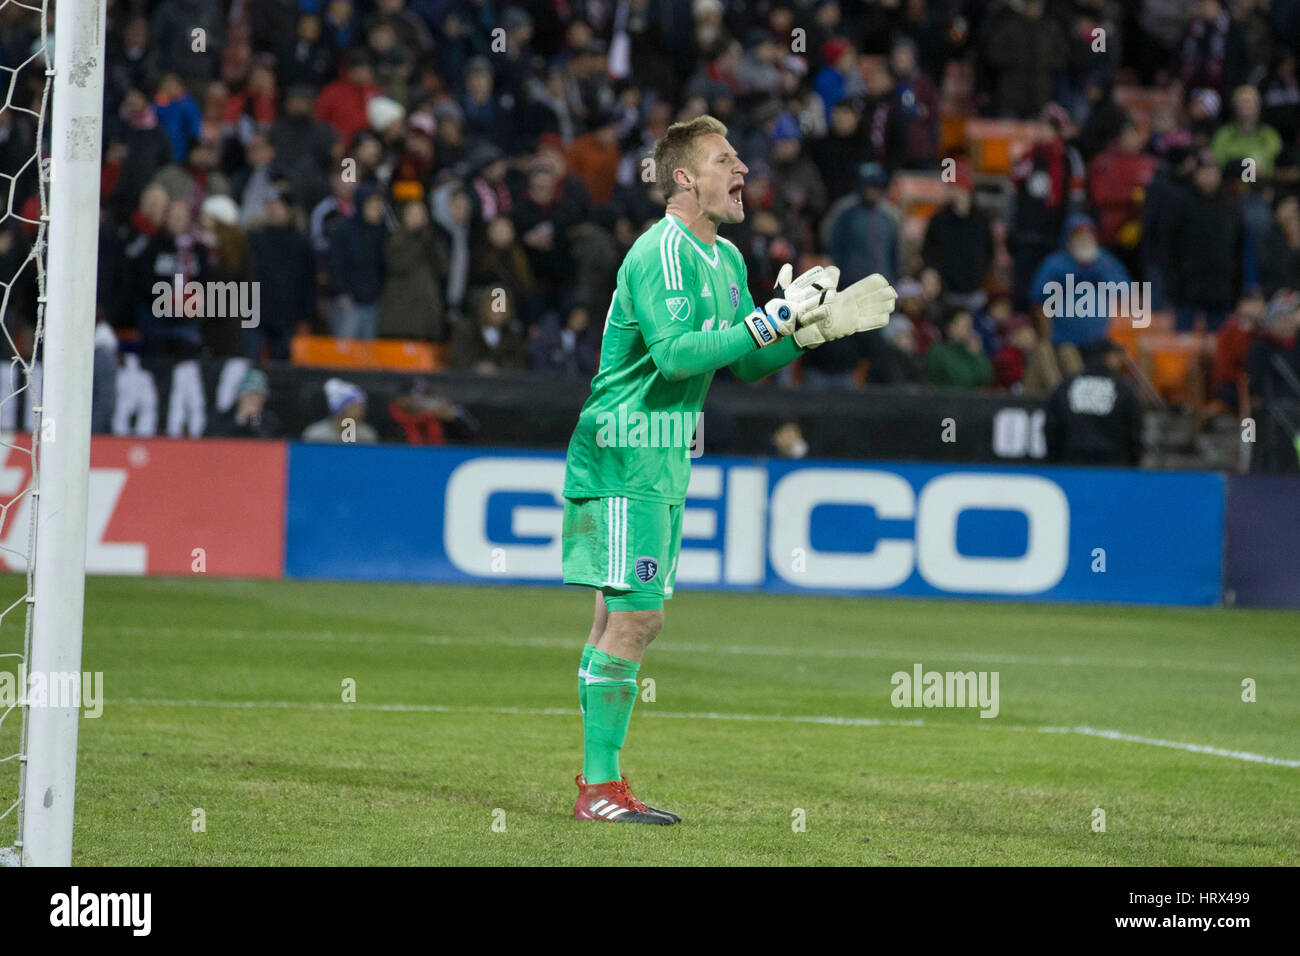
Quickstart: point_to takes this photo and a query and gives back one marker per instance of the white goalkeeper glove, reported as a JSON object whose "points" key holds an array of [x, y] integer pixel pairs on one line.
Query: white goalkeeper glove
{"points": [[800, 303], [814, 288], [865, 305]]}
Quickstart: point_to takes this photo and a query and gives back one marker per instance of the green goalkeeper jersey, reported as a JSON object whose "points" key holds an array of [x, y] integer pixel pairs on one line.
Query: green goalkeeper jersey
{"points": [[677, 316]]}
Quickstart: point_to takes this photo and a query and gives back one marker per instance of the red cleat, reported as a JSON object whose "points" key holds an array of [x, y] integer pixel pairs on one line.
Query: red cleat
{"points": [[614, 802]]}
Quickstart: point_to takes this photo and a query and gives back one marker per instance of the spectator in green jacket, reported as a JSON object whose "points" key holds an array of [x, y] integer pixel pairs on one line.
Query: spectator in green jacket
{"points": [[1247, 137], [959, 361]]}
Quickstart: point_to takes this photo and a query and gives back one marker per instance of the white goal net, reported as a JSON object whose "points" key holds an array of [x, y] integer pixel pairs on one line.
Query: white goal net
{"points": [[22, 301]]}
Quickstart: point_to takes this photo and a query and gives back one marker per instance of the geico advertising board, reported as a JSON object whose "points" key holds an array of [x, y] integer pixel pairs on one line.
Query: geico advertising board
{"points": [[841, 527]]}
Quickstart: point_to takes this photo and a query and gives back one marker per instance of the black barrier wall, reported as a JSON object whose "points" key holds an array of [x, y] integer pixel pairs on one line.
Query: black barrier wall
{"points": [[539, 411]]}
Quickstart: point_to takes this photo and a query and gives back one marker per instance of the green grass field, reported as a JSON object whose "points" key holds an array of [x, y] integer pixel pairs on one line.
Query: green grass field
{"points": [[227, 696]]}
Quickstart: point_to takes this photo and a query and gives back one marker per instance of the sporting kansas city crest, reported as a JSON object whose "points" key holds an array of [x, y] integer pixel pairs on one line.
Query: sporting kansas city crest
{"points": [[646, 569], [735, 296], [679, 307]]}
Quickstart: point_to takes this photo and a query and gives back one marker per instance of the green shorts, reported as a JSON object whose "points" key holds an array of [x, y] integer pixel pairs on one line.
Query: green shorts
{"points": [[625, 547]]}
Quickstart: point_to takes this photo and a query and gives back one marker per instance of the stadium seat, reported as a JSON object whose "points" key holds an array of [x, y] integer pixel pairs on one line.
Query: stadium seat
{"points": [[1173, 362], [956, 103], [398, 355], [995, 145], [908, 191], [1170, 360], [952, 133], [1141, 102], [1125, 335], [918, 196]]}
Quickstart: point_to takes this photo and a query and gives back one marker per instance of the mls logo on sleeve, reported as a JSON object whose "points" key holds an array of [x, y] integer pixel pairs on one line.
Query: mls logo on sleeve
{"points": [[646, 569], [679, 307], [735, 296]]}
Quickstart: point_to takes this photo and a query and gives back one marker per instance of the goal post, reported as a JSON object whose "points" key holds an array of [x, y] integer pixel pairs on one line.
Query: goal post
{"points": [[61, 436]]}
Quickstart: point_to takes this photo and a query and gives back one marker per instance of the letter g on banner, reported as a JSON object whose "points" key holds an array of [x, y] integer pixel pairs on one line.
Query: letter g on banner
{"points": [[469, 495]]}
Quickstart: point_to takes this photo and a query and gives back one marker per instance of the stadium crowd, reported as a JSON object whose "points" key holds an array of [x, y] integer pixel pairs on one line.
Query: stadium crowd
{"points": [[470, 173]]}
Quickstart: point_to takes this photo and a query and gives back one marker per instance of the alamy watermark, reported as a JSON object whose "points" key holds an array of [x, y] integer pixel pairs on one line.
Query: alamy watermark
{"points": [[1092, 300], [922, 688], [634, 428], [54, 689], [132, 911], [179, 299]]}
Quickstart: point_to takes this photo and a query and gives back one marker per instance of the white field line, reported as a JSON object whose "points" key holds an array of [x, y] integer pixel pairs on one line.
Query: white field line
{"points": [[670, 715], [1172, 744], [558, 643]]}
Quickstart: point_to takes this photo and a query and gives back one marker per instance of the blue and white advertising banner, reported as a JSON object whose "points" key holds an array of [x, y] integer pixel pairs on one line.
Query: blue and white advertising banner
{"points": [[1050, 534]]}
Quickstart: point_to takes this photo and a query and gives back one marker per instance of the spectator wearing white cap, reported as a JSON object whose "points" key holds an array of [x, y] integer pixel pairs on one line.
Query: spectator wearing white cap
{"points": [[345, 424]]}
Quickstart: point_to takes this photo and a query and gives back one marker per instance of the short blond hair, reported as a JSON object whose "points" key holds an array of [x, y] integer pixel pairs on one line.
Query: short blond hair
{"points": [[677, 149]]}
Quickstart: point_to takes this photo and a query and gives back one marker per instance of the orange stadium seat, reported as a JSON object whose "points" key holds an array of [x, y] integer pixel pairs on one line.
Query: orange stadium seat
{"points": [[952, 133], [1122, 331], [396, 355], [1171, 360], [1126, 336], [908, 191], [995, 145], [956, 103], [918, 196], [1141, 102]]}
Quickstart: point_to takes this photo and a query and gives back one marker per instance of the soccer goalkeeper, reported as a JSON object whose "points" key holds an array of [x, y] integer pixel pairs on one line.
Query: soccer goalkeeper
{"points": [[680, 312]]}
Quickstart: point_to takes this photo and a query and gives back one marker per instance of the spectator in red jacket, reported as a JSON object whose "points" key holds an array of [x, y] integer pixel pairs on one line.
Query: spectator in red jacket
{"points": [[342, 104], [1019, 341], [428, 418], [256, 101], [594, 157], [1232, 345], [1117, 181], [1049, 186]]}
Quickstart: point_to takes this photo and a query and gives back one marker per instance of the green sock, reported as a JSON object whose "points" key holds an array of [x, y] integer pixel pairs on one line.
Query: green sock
{"points": [[611, 692], [582, 676]]}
